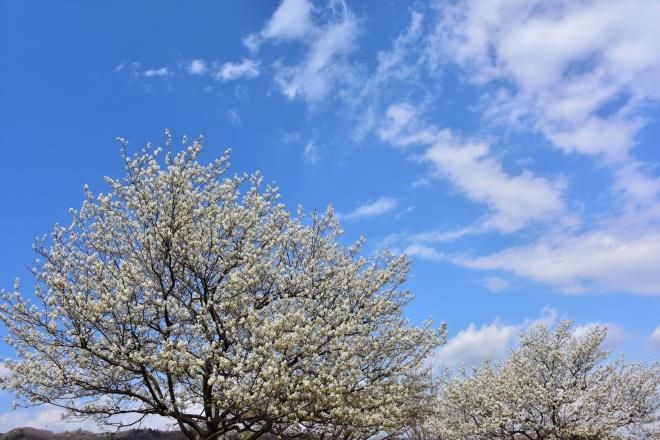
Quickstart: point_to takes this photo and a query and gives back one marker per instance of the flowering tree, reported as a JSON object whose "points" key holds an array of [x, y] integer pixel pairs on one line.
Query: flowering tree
{"points": [[190, 295], [555, 386]]}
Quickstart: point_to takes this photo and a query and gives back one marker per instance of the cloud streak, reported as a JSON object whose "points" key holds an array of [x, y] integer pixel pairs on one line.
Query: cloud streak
{"points": [[595, 261], [245, 69], [160, 72], [379, 207], [514, 201], [473, 344], [197, 67], [491, 341], [654, 338], [328, 34], [596, 54], [588, 96], [585, 96], [50, 418], [311, 154]]}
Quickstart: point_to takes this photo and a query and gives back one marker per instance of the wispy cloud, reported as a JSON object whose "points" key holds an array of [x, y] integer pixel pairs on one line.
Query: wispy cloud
{"points": [[398, 72], [373, 209], [615, 334], [234, 117], [290, 21], [311, 153], [596, 54], [290, 137], [601, 260], [407, 210], [136, 70], [421, 244], [231, 71], [423, 251], [159, 72], [585, 96], [197, 66], [329, 37], [473, 344], [496, 284], [654, 338], [491, 341], [514, 201], [441, 236], [50, 418]]}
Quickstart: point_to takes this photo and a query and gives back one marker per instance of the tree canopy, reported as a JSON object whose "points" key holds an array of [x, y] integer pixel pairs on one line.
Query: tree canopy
{"points": [[557, 386], [190, 294]]}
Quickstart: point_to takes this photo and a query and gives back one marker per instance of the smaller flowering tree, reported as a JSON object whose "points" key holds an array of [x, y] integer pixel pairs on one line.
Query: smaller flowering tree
{"points": [[190, 295], [554, 386]]}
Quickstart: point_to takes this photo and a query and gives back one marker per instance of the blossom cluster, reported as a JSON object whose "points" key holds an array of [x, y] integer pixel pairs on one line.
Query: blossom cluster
{"points": [[556, 385], [188, 293]]}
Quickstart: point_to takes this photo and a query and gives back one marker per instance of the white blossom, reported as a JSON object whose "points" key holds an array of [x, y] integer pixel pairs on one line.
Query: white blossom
{"points": [[189, 294], [554, 386]]}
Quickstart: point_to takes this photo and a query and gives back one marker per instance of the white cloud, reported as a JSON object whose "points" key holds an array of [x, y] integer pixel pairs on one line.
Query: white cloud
{"points": [[311, 153], [472, 345], [230, 71], [401, 64], [293, 136], [493, 341], [587, 93], [50, 418], [640, 193], [654, 338], [496, 284], [135, 70], [161, 72], [593, 54], [597, 260], [399, 118], [329, 36], [407, 210], [373, 209], [422, 251], [615, 334], [618, 254], [490, 341], [440, 236], [234, 117], [291, 20], [514, 201], [45, 418], [252, 42], [597, 75], [197, 67]]}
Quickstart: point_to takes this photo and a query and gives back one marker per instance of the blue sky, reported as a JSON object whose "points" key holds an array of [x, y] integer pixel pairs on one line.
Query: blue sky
{"points": [[511, 148]]}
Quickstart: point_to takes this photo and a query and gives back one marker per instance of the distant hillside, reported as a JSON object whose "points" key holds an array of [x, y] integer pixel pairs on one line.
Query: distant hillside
{"points": [[135, 434]]}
